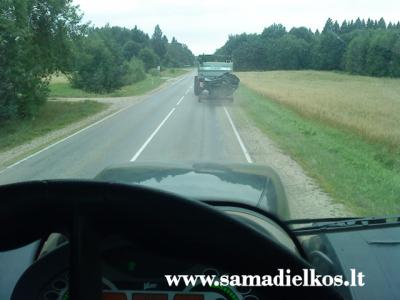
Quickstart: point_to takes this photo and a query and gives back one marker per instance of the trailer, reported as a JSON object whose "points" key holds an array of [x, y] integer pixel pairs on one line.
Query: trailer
{"points": [[215, 79]]}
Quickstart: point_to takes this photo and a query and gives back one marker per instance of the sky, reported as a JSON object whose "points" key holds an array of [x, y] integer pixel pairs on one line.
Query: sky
{"points": [[204, 25]]}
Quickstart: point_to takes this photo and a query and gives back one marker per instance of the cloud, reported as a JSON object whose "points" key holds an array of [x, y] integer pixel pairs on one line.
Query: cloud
{"points": [[205, 25]]}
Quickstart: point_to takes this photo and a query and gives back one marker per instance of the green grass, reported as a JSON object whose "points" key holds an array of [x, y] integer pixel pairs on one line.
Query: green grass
{"points": [[362, 175], [174, 72], [64, 89], [60, 87], [139, 88], [53, 115]]}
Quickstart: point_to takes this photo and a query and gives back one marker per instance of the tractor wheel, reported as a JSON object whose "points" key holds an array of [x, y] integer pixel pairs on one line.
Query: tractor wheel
{"points": [[196, 86]]}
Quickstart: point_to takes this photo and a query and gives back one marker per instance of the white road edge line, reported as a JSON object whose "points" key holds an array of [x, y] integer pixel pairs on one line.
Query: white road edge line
{"points": [[180, 100], [62, 140], [179, 80], [75, 133], [137, 154], [245, 152]]}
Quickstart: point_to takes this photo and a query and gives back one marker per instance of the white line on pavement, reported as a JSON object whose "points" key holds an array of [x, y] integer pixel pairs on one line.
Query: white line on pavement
{"points": [[180, 100], [179, 80], [137, 154], [245, 152], [64, 139], [77, 132]]}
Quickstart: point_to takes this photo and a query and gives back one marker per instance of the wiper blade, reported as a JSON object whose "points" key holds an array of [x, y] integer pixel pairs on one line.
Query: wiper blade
{"points": [[309, 221], [342, 224]]}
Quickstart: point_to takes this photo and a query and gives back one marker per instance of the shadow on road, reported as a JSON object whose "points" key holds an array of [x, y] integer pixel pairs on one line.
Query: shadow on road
{"points": [[216, 101]]}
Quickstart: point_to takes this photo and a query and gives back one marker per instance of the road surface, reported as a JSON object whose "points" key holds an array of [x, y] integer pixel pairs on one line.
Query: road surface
{"points": [[169, 125]]}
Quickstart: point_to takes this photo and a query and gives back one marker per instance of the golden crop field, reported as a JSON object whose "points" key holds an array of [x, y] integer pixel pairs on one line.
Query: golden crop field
{"points": [[365, 105]]}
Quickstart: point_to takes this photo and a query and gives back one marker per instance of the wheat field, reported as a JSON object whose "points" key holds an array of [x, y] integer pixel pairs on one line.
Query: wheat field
{"points": [[365, 105]]}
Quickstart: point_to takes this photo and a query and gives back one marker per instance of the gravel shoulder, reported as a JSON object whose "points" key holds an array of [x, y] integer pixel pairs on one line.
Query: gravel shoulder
{"points": [[305, 197]]}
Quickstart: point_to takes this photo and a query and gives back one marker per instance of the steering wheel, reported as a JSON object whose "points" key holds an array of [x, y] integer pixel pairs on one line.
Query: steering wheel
{"points": [[185, 229]]}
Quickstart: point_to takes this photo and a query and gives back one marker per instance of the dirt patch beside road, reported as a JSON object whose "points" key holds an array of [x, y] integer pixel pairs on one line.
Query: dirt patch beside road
{"points": [[306, 199]]}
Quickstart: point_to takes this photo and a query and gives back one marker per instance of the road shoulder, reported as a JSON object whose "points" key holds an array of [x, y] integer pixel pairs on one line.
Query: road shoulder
{"points": [[306, 199]]}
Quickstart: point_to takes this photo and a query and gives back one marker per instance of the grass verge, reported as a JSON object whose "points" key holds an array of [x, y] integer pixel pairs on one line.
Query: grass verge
{"points": [[362, 175], [52, 116], [171, 73], [63, 88], [60, 87]]}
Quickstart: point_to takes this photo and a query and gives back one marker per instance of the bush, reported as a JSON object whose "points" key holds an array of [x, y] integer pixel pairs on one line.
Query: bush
{"points": [[154, 72], [149, 58], [100, 67], [136, 71]]}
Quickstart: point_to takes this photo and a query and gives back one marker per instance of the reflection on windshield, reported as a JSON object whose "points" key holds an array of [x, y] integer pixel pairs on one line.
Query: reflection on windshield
{"points": [[216, 188], [224, 185], [83, 88]]}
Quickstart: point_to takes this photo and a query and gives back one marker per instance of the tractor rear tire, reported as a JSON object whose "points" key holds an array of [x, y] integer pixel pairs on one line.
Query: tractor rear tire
{"points": [[196, 86]]}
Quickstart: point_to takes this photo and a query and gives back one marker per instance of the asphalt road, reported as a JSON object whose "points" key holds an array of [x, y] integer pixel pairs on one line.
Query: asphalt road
{"points": [[169, 125]]}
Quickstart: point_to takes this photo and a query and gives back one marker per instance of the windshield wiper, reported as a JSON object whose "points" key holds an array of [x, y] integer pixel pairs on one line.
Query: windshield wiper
{"points": [[328, 225]]}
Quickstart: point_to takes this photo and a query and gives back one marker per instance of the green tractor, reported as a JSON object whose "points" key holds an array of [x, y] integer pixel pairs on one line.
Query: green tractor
{"points": [[215, 77]]}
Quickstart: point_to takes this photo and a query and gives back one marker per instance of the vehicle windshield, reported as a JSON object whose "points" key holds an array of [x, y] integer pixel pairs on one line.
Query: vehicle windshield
{"points": [[292, 107]]}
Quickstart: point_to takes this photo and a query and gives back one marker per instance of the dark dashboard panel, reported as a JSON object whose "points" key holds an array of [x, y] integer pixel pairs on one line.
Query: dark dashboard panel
{"points": [[375, 252], [130, 273]]}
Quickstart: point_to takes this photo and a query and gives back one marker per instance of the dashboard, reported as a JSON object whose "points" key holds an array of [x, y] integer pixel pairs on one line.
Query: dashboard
{"points": [[125, 239], [131, 274]]}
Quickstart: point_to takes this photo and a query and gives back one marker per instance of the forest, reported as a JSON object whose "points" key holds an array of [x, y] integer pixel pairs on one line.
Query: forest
{"points": [[364, 47]]}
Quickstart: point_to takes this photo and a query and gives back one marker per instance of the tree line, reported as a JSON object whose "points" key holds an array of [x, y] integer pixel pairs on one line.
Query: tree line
{"points": [[370, 47], [41, 37], [110, 57]]}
